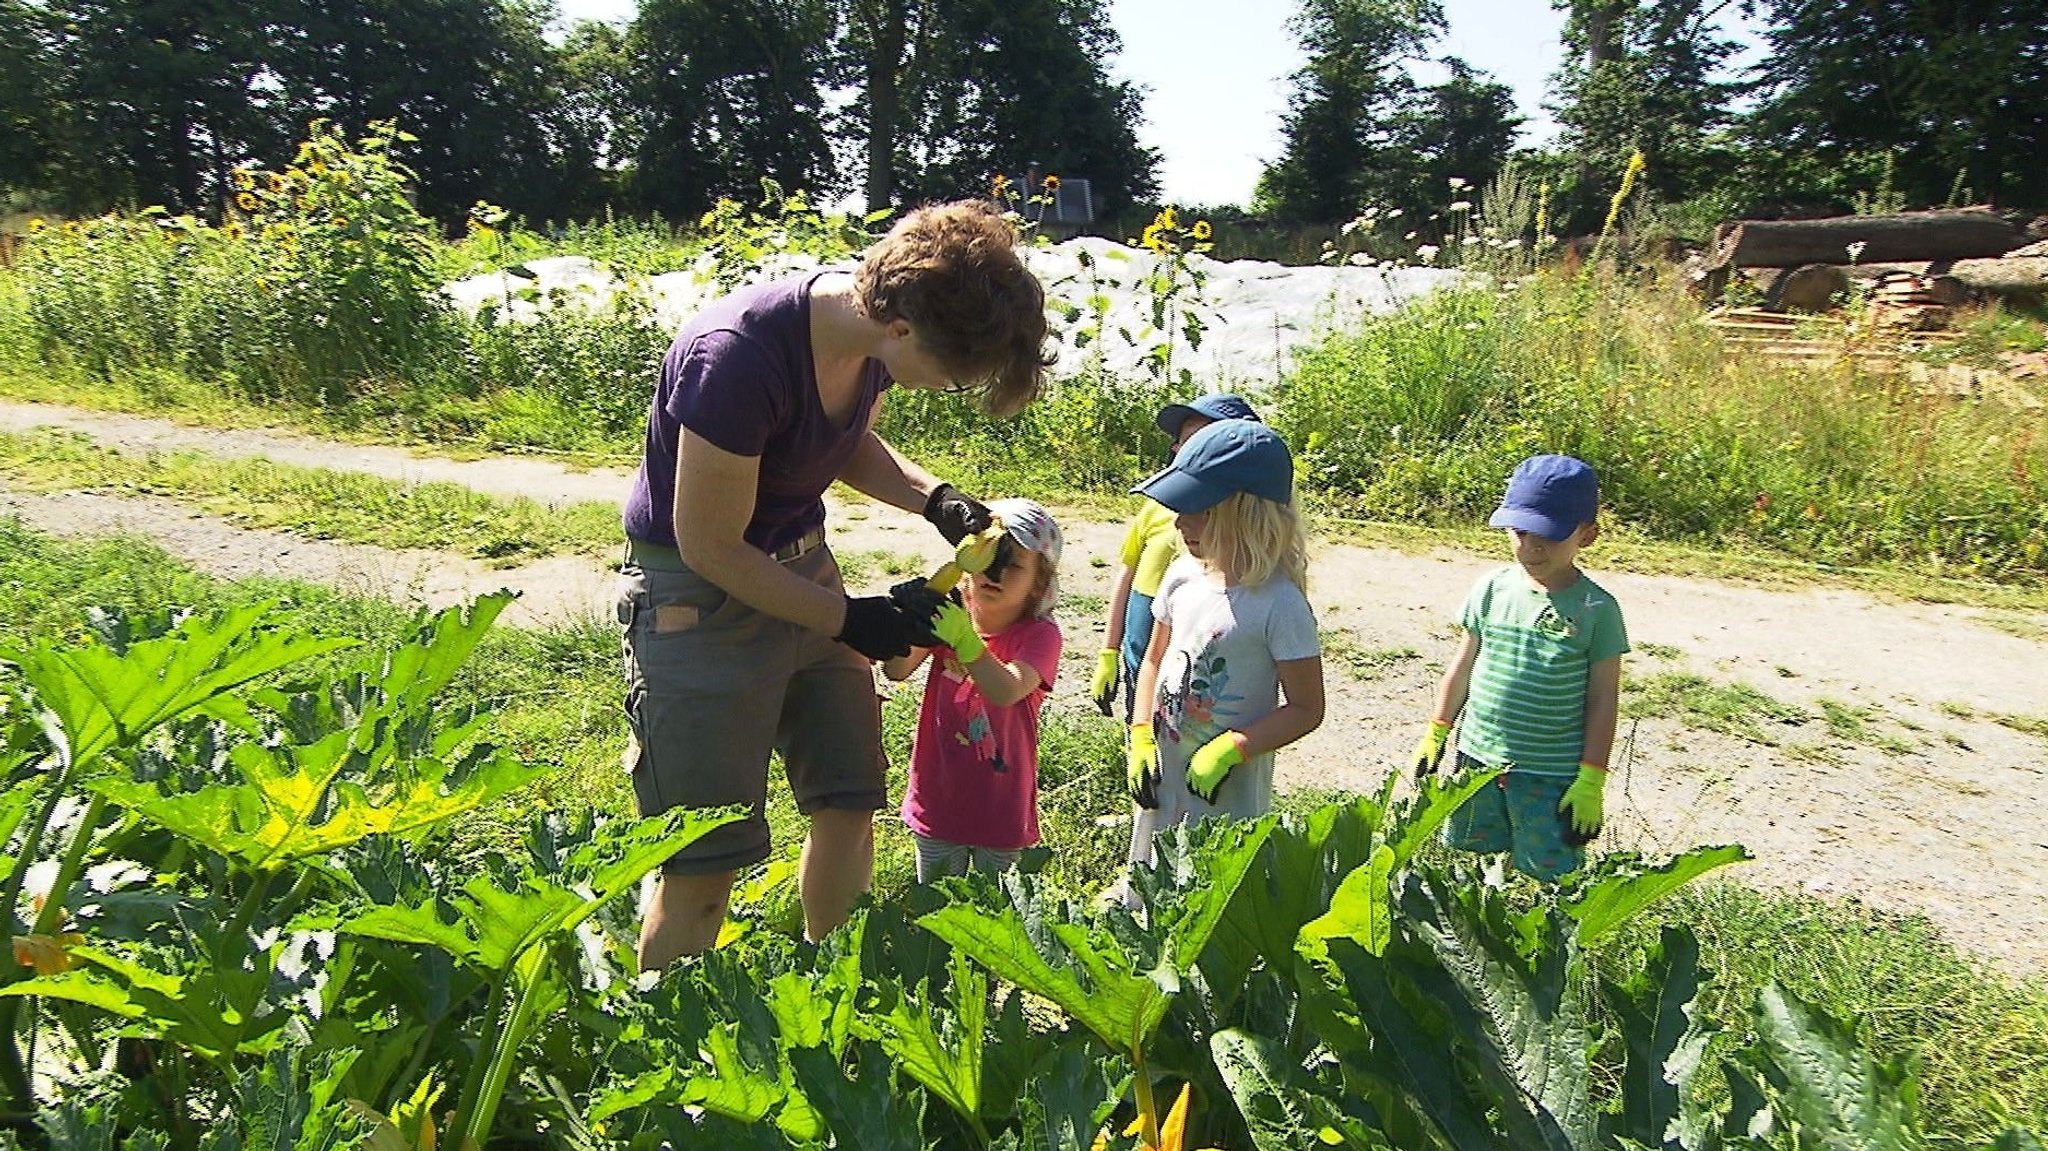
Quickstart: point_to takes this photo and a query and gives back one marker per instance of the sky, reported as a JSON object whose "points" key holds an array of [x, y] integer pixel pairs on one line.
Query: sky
{"points": [[1215, 77]]}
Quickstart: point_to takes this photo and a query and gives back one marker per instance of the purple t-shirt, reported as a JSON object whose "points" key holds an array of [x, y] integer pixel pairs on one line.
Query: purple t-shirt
{"points": [[740, 375]]}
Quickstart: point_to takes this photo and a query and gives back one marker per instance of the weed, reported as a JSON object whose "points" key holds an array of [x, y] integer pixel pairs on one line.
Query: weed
{"points": [[1663, 651], [1729, 708], [1854, 724], [1341, 647]]}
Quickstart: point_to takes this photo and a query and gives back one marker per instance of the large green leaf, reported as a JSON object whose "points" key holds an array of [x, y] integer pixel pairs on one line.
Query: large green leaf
{"points": [[1051, 948], [1656, 1009], [490, 925], [1305, 859], [98, 696], [1361, 909], [1838, 1097], [1069, 1099], [1623, 886], [279, 814], [866, 1112], [1282, 1106], [289, 1103], [1533, 1037], [937, 1039], [213, 1009]]}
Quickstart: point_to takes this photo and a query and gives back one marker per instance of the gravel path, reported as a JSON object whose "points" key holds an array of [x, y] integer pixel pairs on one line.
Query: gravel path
{"points": [[1950, 826]]}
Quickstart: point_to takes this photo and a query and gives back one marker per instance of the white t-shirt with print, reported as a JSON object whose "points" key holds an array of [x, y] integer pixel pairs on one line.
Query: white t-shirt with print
{"points": [[1218, 674]]}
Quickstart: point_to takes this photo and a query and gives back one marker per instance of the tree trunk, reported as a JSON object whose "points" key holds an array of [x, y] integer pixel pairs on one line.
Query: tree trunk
{"points": [[884, 107], [1945, 235], [2010, 276]]}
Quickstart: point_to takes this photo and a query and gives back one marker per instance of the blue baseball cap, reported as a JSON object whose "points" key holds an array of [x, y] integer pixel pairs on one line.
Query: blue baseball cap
{"points": [[1226, 457], [1549, 496], [1221, 406]]}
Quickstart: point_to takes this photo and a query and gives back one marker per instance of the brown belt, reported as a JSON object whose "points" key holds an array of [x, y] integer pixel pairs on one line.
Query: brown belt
{"points": [[660, 558]]}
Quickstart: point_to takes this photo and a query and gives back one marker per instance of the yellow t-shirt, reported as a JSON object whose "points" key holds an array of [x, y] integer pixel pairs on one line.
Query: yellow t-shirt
{"points": [[1150, 545]]}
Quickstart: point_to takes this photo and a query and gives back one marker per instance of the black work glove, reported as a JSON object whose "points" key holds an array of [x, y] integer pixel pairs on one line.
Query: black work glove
{"points": [[878, 629], [916, 599], [956, 514]]}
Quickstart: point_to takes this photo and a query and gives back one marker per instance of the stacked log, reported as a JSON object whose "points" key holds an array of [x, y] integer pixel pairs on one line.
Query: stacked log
{"points": [[1806, 265]]}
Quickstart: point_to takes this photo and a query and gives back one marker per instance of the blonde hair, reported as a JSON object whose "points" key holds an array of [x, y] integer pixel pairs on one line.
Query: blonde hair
{"points": [[1252, 539], [954, 272]]}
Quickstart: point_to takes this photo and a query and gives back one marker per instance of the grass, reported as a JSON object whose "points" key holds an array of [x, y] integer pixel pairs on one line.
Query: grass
{"points": [[1729, 708], [1979, 1039], [1342, 649], [318, 502], [1852, 724]]}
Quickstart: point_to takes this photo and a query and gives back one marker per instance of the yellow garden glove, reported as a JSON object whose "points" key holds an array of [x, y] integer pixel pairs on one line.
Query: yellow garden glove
{"points": [[1102, 688], [1212, 763], [1583, 804], [1429, 750], [1141, 771], [955, 629]]}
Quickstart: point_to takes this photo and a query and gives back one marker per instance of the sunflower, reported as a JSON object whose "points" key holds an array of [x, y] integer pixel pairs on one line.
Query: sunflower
{"points": [[1201, 231], [245, 201], [1052, 183]]}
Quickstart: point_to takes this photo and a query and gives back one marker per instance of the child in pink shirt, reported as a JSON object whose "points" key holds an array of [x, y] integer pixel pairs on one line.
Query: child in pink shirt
{"points": [[973, 795]]}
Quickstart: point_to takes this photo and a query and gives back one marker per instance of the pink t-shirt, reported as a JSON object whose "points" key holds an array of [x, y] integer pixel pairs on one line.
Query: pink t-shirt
{"points": [[974, 768]]}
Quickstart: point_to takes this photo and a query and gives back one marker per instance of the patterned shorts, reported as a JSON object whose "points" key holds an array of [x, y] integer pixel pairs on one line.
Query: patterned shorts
{"points": [[1517, 813]]}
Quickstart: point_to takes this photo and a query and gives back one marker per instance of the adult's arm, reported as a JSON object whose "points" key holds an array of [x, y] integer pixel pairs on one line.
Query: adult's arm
{"points": [[879, 470], [714, 503]]}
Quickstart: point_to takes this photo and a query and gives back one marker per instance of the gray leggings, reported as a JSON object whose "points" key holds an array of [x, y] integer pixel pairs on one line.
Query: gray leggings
{"points": [[937, 857]]}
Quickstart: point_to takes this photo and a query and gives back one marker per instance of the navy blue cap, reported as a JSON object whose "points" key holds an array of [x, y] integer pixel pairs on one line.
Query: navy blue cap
{"points": [[1221, 406], [1226, 457], [1549, 496]]}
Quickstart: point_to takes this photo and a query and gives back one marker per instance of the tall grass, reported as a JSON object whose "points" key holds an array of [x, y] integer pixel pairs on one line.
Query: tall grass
{"points": [[1420, 415]]}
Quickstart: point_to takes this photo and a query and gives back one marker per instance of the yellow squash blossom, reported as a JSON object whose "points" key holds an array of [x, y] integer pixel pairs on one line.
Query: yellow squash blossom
{"points": [[46, 953]]}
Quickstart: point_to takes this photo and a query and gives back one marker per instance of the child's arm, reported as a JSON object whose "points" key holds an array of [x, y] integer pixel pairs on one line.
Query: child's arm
{"points": [[1003, 684], [1109, 660], [1146, 690], [898, 668], [1450, 700], [1603, 708], [1301, 687], [1457, 681]]}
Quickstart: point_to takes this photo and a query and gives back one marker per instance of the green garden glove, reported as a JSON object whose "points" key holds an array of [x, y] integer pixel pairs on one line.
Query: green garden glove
{"points": [[955, 629], [1583, 802], [1212, 763], [1141, 770], [1429, 750], [1102, 688]]}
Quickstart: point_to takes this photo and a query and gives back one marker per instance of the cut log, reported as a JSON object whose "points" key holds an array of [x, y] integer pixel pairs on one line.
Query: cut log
{"points": [[1958, 234], [1810, 288], [2009, 276]]}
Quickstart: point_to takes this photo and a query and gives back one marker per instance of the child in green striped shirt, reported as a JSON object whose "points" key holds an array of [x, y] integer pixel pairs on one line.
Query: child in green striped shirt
{"points": [[1537, 680]]}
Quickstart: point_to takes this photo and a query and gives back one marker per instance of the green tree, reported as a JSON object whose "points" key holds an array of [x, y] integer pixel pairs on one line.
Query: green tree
{"points": [[475, 80], [25, 95], [1642, 75], [725, 93], [156, 100], [952, 93], [1955, 92], [1345, 144], [1464, 127]]}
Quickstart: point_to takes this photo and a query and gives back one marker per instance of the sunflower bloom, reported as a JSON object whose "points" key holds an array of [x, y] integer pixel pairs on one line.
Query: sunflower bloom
{"points": [[1201, 231], [243, 180], [1052, 183], [1167, 218], [245, 201]]}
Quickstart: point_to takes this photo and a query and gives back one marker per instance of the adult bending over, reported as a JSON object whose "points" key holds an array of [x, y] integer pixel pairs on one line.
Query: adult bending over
{"points": [[739, 636]]}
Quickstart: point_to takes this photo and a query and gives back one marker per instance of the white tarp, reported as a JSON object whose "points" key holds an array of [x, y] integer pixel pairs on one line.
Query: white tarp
{"points": [[1256, 312]]}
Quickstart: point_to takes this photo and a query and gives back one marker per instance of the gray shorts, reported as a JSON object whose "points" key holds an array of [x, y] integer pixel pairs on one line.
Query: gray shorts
{"points": [[712, 686]]}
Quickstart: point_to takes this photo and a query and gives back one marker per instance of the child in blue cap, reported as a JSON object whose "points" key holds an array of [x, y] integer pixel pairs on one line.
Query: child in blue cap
{"points": [[1150, 544], [1537, 678], [1232, 669]]}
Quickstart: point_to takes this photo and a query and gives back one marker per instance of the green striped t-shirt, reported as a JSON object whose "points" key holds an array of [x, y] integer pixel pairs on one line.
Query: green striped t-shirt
{"points": [[1526, 706]]}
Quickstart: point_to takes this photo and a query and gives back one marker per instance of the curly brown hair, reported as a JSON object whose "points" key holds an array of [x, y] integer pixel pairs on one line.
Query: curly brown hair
{"points": [[952, 270]]}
